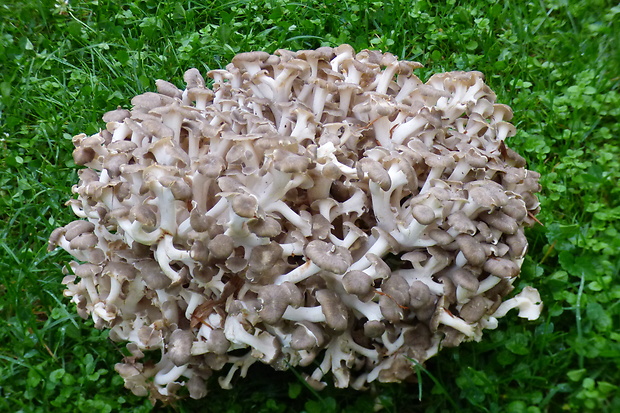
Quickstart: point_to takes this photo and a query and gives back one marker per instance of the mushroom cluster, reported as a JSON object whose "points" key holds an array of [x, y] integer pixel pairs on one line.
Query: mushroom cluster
{"points": [[319, 208]]}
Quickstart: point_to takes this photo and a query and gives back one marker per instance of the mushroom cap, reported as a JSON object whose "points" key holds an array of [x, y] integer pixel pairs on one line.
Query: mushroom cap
{"points": [[307, 336], [274, 301], [84, 241], [179, 346], [83, 155], [245, 205], [358, 283], [501, 267], [328, 257], [76, 228], [475, 309], [424, 214], [221, 246], [264, 257], [420, 295], [472, 249], [193, 78], [152, 274], [275, 298], [397, 289], [374, 328], [462, 223], [265, 227], [336, 314]]}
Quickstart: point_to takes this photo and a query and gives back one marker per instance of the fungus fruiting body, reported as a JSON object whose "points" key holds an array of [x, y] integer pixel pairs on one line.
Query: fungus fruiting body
{"points": [[318, 207]]}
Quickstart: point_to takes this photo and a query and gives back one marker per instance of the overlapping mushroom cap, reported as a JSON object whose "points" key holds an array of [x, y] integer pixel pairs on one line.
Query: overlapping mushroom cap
{"points": [[321, 204]]}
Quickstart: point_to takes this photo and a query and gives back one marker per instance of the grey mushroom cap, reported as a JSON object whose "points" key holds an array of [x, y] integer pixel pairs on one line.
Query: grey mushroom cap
{"points": [[475, 309], [152, 274], [328, 257], [264, 257], [424, 214], [193, 78], [517, 244], [120, 270], [179, 346], [76, 228], [288, 162], [199, 221], [87, 270], [307, 336], [501, 221], [464, 278], [149, 336], [440, 236], [196, 387], [397, 288], [358, 283], [84, 241], [336, 314], [275, 299], [218, 343], [472, 249], [167, 88], [376, 173], [83, 155], [501, 267], [390, 309], [420, 295], [374, 328], [265, 227], [462, 223], [144, 215], [117, 115]]}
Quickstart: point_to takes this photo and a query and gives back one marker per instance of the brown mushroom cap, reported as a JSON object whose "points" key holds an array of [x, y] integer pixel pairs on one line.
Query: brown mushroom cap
{"points": [[244, 205], [221, 246]]}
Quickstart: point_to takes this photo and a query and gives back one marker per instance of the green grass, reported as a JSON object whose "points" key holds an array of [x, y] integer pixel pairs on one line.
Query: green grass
{"points": [[557, 63]]}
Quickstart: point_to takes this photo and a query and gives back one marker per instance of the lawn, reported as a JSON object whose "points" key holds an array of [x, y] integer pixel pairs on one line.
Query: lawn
{"points": [[556, 63]]}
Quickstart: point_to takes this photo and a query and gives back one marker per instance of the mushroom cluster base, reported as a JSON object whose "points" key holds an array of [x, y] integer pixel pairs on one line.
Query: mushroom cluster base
{"points": [[320, 208]]}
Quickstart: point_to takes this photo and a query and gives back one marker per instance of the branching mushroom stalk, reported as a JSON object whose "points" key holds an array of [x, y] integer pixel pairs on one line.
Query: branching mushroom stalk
{"points": [[270, 212]]}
